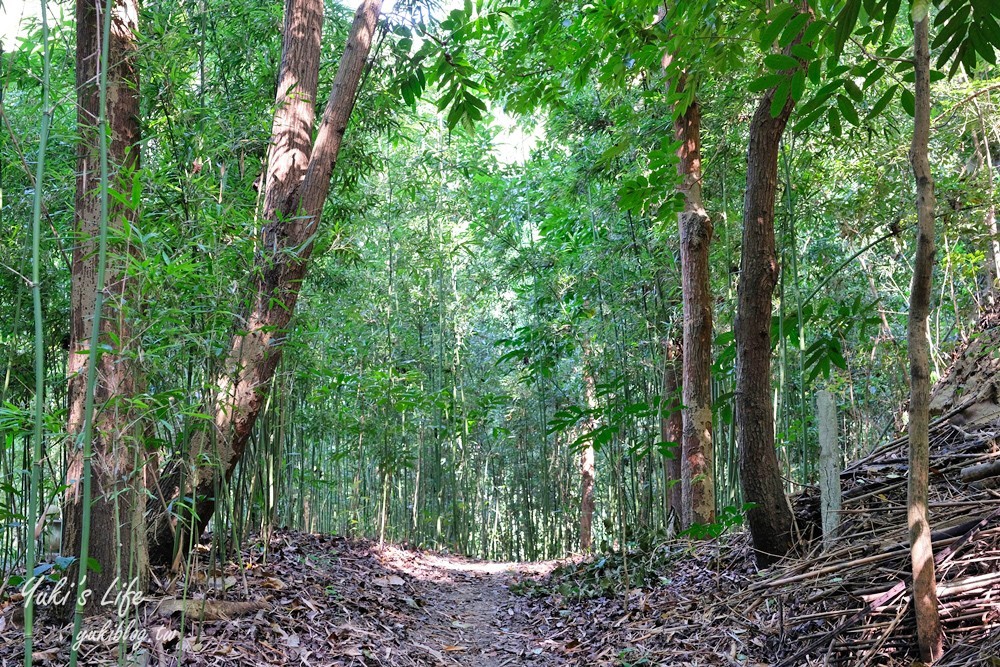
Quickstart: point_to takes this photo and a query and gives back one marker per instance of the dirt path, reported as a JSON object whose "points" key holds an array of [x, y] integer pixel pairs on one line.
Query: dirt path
{"points": [[468, 614], [321, 601]]}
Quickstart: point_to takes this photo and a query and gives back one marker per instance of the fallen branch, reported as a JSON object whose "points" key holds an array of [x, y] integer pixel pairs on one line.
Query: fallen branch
{"points": [[981, 471], [209, 610]]}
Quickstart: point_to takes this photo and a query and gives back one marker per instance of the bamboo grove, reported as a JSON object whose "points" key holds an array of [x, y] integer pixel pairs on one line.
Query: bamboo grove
{"points": [[493, 312]]}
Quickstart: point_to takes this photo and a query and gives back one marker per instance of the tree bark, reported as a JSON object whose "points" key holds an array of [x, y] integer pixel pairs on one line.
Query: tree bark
{"points": [[697, 474], [992, 254], [829, 466], [586, 497], [992, 245], [672, 422], [298, 181], [771, 518], [925, 604], [587, 467], [117, 529]]}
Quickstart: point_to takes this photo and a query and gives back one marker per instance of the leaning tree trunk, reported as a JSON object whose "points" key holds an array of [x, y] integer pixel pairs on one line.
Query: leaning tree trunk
{"points": [[770, 518], [925, 603], [117, 530], [298, 181], [697, 475]]}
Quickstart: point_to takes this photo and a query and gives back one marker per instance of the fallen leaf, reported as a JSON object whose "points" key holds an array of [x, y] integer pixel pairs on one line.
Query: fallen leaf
{"points": [[163, 634], [436, 654], [273, 583], [223, 583]]}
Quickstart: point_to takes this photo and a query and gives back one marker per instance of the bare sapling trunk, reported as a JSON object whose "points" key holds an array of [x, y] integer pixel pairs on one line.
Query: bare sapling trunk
{"points": [[297, 184], [697, 474], [829, 466], [117, 529], [925, 603]]}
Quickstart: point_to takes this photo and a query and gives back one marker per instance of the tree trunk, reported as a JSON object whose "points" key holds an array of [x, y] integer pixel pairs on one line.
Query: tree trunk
{"points": [[587, 467], [697, 474], [117, 530], [586, 497], [992, 254], [829, 466], [992, 246], [672, 423], [298, 181], [771, 518], [925, 604]]}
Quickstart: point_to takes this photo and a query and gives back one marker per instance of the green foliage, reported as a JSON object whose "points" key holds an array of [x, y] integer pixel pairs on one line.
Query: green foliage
{"points": [[435, 387], [965, 30], [641, 564], [728, 518]]}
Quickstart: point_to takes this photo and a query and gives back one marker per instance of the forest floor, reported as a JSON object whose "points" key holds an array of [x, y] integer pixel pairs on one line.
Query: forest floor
{"points": [[315, 601]]}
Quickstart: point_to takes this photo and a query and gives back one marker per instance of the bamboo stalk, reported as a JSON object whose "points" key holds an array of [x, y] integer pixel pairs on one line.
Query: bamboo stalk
{"points": [[36, 294]]}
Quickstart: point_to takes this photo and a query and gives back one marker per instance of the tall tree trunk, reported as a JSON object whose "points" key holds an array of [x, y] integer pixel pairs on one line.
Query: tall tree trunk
{"points": [[117, 528], [298, 181], [771, 517], [587, 470], [671, 421], [925, 604], [587, 466], [697, 474]]}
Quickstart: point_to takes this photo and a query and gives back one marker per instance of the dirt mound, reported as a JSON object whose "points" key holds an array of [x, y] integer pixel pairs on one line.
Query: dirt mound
{"points": [[967, 395], [851, 605]]}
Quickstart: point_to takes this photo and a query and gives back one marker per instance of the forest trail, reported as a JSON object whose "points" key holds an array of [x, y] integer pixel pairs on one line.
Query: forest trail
{"points": [[324, 601], [469, 616]]}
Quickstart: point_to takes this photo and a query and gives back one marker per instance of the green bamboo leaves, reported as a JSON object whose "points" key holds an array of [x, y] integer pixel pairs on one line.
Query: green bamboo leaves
{"points": [[966, 30], [455, 76], [789, 68]]}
